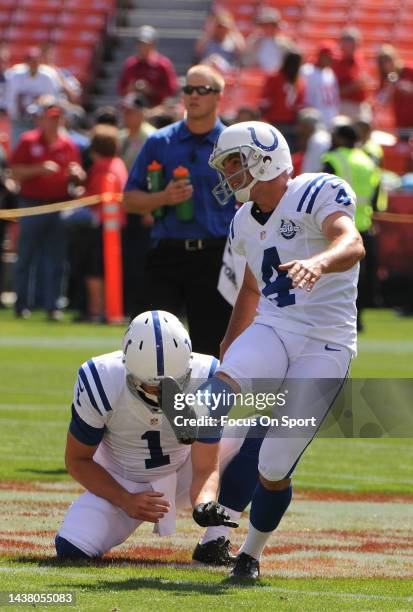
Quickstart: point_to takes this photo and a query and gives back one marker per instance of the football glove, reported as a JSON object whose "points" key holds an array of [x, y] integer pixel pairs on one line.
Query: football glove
{"points": [[212, 514]]}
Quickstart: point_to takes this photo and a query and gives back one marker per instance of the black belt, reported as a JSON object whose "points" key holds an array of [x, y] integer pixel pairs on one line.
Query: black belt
{"points": [[190, 244]]}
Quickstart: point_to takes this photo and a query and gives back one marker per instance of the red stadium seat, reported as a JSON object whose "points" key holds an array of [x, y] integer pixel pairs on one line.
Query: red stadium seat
{"points": [[5, 18], [79, 60], [33, 19], [242, 89], [43, 5], [95, 6], [75, 38], [82, 21], [27, 36]]}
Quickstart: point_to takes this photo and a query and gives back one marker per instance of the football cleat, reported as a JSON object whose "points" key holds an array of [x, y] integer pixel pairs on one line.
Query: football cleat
{"points": [[215, 552], [185, 433], [246, 569]]}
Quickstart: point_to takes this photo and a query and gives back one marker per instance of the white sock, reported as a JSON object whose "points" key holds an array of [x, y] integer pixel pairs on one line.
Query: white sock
{"points": [[213, 533], [255, 542]]}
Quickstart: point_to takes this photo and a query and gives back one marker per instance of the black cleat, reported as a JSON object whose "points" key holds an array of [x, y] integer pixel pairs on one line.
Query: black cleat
{"points": [[184, 432], [246, 569], [216, 552]]}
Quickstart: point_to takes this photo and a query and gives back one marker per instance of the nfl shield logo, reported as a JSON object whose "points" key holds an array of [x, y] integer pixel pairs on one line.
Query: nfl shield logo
{"points": [[154, 421], [263, 235]]}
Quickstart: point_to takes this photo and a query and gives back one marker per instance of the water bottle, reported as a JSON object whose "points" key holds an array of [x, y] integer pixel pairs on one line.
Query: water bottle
{"points": [[155, 183], [184, 210]]}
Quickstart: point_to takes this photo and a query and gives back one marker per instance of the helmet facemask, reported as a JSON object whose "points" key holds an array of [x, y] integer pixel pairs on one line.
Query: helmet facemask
{"points": [[151, 400], [251, 161]]}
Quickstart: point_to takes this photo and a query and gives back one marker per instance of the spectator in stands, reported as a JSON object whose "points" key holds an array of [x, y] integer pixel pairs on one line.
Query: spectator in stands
{"points": [[106, 115], [104, 150], [24, 85], [4, 64], [266, 47], [396, 86], [373, 149], [190, 228], [136, 129], [148, 72], [312, 139], [69, 84], [136, 234], [351, 75], [221, 41], [44, 162], [348, 161], [8, 199], [321, 87], [283, 96]]}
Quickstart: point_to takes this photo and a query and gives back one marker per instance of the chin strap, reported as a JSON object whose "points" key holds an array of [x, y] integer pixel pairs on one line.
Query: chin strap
{"points": [[244, 195]]}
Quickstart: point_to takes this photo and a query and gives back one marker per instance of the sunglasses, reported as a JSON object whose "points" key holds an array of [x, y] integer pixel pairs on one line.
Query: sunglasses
{"points": [[202, 90]]}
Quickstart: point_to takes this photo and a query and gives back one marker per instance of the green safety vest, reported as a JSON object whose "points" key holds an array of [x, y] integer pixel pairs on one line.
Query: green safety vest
{"points": [[356, 167]]}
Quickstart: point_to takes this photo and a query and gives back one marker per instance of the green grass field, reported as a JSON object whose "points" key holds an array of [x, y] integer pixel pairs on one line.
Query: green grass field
{"points": [[346, 542]]}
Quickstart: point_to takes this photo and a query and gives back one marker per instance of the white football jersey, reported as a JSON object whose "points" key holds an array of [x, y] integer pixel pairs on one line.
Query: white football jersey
{"points": [[134, 443], [321, 91], [293, 231]]}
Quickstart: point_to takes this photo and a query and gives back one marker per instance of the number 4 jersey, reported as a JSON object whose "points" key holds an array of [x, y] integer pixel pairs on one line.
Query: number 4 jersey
{"points": [[294, 231], [133, 441]]}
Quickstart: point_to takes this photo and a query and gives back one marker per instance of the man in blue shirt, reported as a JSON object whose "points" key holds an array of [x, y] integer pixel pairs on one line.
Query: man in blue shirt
{"points": [[183, 266]]}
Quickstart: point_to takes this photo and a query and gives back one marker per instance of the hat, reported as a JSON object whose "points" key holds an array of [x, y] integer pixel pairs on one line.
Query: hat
{"points": [[326, 46], [267, 14], [134, 100], [146, 34], [46, 106]]}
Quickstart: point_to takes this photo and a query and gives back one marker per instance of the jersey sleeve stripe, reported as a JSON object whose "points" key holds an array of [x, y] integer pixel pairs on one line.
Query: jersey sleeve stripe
{"points": [[317, 191], [309, 188], [85, 381], [99, 385], [214, 365], [160, 365], [231, 230], [83, 432]]}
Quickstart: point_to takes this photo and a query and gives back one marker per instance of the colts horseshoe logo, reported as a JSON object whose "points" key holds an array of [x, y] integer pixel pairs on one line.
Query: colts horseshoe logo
{"points": [[259, 144]]}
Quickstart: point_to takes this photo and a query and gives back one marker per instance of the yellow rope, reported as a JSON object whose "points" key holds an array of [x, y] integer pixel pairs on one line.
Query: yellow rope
{"points": [[43, 209], [393, 217]]}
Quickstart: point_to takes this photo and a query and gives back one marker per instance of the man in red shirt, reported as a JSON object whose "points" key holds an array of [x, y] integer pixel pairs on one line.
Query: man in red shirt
{"points": [[44, 162], [148, 72], [350, 71]]}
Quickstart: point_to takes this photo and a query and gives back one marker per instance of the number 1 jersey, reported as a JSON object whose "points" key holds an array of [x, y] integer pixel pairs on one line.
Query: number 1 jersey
{"points": [[294, 231], [133, 441]]}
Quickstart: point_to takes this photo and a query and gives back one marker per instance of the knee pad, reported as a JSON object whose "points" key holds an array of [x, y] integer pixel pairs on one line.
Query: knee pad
{"points": [[67, 550]]}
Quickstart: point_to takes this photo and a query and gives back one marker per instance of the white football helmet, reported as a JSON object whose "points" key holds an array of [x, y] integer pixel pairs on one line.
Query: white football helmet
{"points": [[263, 150], [155, 345]]}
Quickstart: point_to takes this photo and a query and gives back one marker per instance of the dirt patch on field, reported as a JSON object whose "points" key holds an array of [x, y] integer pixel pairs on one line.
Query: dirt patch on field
{"points": [[325, 533]]}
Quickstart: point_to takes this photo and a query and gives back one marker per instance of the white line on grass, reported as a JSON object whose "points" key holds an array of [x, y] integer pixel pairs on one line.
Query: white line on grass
{"points": [[204, 585]]}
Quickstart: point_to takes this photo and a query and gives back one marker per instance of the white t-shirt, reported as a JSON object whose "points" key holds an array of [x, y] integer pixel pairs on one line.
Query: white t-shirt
{"points": [[293, 231], [321, 91], [22, 88], [134, 445]]}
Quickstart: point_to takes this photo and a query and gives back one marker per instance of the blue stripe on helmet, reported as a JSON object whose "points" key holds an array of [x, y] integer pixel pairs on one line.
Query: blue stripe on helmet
{"points": [[160, 365], [99, 385]]}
